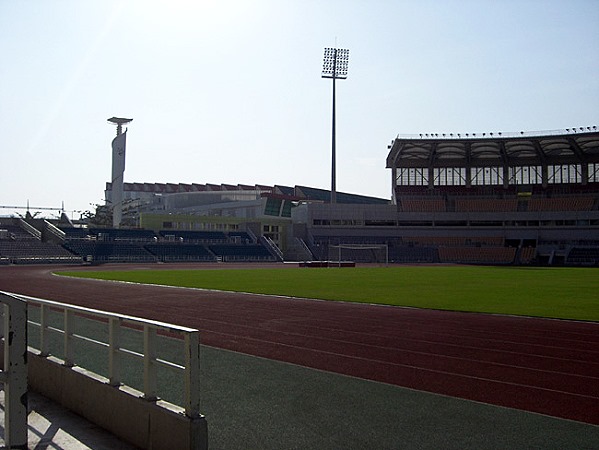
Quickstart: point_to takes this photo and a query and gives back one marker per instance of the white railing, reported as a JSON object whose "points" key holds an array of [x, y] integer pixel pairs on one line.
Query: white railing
{"points": [[252, 235], [270, 244], [118, 334], [305, 248], [53, 229], [30, 229], [14, 370]]}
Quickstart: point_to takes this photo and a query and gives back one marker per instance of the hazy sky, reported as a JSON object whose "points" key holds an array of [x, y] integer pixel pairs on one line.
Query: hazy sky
{"points": [[231, 91]]}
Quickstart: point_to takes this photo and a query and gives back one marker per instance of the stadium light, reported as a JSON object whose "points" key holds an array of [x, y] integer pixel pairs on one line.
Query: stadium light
{"points": [[334, 66]]}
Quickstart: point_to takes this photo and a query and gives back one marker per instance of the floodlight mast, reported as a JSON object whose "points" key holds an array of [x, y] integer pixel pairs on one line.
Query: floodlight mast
{"points": [[335, 67]]}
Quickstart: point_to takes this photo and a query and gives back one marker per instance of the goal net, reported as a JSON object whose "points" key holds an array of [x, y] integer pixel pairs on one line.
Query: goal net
{"points": [[360, 253]]}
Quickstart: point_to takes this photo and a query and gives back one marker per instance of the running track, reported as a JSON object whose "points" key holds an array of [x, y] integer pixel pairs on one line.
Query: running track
{"points": [[545, 366]]}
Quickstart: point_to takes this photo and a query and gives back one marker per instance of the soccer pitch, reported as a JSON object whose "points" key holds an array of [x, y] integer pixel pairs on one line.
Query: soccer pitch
{"points": [[568, 293]]}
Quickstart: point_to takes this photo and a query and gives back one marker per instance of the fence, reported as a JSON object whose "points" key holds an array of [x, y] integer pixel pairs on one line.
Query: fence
{"points": [[147, 366], [84, 325], [14, 373]]}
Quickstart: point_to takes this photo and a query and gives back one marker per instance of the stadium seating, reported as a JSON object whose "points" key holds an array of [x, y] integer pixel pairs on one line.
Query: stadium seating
{"points": [[98, 251], [486, 205], [118, 234], [240, 237], [194, 236], [15, 232], [561, 204], [423, 205], [233, 252], [413, 255], [32, 251], [455, 240], [477, 255], [527, 255], [75, 233], [583, 256], [179, 252]]}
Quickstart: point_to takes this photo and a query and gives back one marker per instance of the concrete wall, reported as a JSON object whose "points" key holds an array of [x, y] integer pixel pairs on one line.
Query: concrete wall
{"points": [[120, 410]]}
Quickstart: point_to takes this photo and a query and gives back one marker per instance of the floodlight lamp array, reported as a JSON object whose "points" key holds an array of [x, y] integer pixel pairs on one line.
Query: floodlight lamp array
{"points": [[335, 63]]}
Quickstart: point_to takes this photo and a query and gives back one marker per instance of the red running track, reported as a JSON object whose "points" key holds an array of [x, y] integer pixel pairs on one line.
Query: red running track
{"points": [[545, 366]]}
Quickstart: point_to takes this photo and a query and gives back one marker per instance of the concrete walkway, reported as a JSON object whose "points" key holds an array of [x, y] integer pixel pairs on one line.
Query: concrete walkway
{"points": [[51, 426], [256, 403]]}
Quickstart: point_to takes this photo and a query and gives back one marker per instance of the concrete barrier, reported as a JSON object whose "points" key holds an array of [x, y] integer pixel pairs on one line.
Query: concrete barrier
{"points": [[121, 410]]}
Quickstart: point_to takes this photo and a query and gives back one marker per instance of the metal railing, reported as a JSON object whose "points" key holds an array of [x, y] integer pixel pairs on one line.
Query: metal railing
{"points": [[30, 229], [54, 230], [305, 248], [61, 329], [14, 370], [273, 248]]}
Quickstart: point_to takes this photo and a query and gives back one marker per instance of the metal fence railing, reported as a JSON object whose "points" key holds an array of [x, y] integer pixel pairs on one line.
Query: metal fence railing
{"points": [[159, 359]]}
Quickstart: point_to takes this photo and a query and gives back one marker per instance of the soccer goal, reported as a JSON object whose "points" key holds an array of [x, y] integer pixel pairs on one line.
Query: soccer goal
{"points": [[360, 253]]}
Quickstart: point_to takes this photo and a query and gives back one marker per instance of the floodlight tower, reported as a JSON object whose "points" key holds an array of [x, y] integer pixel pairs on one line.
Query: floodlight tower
{"points": [[334, 66], [118, 169]]}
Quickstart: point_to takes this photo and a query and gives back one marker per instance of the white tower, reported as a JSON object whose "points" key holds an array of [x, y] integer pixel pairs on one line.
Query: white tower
{"points": [[118, 169]]}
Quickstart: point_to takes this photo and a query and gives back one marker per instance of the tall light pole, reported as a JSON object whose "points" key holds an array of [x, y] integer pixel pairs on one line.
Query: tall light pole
{"points": [[335, 67]]}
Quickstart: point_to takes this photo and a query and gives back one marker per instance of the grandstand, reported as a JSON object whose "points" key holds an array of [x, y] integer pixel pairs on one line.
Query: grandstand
{"points": [[142, 245], [25, 243], [21, 243], [490, 198]]}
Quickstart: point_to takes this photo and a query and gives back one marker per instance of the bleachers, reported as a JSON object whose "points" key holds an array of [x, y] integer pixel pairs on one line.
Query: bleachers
{"points": [[233, 252], [486, 205], [561, 204], [179, 252], [119, 234], [32, 251], [240, 237], [18, 246], [423, 205], [468, 200], [75, 233], [194, 236], [412, 255], [98, 251], [583, 256], [455, 240], [477, 255], [14, 232], [527, 255], [108, 234], [138, 245]]}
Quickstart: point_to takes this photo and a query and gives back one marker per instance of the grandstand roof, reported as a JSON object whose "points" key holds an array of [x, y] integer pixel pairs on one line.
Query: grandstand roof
{"points": [[324, 195], [296, 193], [170, 188], [570, 146]]}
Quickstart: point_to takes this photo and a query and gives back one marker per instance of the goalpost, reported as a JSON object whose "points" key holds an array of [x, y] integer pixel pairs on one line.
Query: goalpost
{"points": [[364, 253]]}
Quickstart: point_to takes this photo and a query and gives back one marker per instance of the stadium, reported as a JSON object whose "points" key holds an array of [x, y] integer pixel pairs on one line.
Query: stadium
{"points": [[474, 198], [284, 370]]}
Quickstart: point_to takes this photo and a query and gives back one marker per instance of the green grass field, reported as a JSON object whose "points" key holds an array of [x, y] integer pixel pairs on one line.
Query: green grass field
{"points": [[569, 293]]}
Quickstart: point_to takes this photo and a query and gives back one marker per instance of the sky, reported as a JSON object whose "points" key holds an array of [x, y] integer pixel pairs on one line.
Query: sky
{"points": [[231, 91]]}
